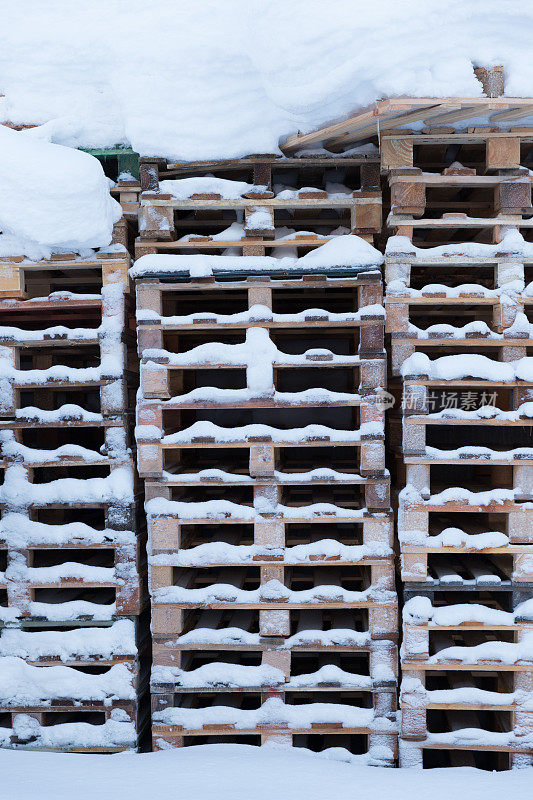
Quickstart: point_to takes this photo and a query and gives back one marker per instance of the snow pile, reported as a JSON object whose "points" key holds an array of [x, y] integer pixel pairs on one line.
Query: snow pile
{"points": [[53, 198], [115, 732], [228, 79], [218, 674]]}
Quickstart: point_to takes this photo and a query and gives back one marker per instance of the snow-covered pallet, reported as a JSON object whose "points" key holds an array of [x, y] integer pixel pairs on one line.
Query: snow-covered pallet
{"points": [[44, 365], [71, 538], [485, 185], [230, 717], [260, 206], [24, 278], [467, 679], [244, 522]]}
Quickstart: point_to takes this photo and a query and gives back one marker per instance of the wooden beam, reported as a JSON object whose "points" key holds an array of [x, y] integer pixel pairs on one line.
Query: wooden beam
{"points": [[460, 114], [383, 124], [512, 113]]}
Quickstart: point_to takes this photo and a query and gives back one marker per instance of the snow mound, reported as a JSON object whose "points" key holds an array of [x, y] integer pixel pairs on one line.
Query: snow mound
{"points": [[53, 198], [228, 79]]}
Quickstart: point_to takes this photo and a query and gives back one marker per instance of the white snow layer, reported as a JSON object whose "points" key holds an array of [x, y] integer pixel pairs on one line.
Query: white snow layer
{"points": [[53, 197], [227, 771], [342, 251], [228, 79]]}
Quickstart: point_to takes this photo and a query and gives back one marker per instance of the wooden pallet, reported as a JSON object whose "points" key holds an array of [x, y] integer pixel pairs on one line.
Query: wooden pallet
{"points": [[59, 712], [122, 580], [410, 188], [20, 278]]}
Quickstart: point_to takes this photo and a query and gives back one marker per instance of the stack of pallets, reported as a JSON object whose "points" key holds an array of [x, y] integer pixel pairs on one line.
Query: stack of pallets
{"points": [[260, 439], [461, 344], [257, 204], [72, 650]]}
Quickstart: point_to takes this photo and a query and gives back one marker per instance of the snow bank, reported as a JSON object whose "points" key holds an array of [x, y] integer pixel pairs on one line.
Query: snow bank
{"points": [[226, 771], [53, 198], [228, 79]]}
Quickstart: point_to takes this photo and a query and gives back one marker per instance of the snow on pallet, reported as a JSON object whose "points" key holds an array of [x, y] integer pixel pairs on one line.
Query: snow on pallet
{"points": [[37, 705], [23, 278], [257, 206], [276, 721]]}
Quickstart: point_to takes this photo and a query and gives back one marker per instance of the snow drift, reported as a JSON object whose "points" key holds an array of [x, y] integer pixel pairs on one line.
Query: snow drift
{"points": [[217, 80], [52, 197]]}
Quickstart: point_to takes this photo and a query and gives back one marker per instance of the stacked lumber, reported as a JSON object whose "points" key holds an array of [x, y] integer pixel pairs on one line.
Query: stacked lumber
{"points": [[73, 648], [260, 436], [258, 204], [458, 314]]}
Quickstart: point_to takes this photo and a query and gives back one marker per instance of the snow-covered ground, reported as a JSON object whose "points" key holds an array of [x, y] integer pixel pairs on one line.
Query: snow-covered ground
{"points": [[199, 79], [234, 772]]}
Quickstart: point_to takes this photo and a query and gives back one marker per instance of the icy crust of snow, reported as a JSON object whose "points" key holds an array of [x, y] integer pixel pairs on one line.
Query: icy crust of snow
{"points": [[210, 394], [257, 352], [481, 453], [420, 611], [24, 684], [18, 492], [271, 591], [115, 732], [275, 712], [223, 553], [471, 365], [350, 252], [71, 610], [513, 243], [520, 329], [53, 197], [184, 188], [476, 736], [260, 313], [219, 674], [319, 475], [238, 676], [457, 494], [187, 188], [501, 652], [115, 448], [116, 640], [509, 292]]}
